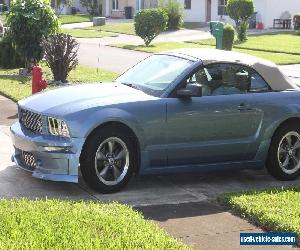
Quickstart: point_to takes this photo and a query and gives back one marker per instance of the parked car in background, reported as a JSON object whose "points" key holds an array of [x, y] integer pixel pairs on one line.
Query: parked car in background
{"points": [[179, 111]]}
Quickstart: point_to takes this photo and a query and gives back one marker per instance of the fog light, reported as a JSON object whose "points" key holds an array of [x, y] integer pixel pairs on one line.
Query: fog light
{"points": [[56, 149]]}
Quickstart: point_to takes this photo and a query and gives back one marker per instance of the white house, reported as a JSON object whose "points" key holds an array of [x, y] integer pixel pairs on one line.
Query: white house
{"points": [[205, 10], [197, 10]]}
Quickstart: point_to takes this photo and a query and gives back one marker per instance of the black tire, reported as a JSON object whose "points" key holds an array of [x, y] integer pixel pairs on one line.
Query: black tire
{"points": [[87, 159], [274, 163]]}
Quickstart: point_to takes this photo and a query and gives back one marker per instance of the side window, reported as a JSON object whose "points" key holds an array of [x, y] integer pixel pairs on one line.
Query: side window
{"points": [[258, 84], [228, 79], [223, 79]]}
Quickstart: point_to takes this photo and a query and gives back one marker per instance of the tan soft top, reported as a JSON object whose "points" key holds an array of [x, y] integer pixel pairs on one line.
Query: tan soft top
{"points": [[268, 70]]}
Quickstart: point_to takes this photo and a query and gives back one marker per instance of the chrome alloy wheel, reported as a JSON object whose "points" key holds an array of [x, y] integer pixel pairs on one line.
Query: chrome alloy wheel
{"points": [[288, 153], [112, 161]]}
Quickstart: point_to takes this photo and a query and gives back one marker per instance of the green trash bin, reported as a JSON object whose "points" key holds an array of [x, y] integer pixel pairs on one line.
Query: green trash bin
{"points": [[216, 29]]}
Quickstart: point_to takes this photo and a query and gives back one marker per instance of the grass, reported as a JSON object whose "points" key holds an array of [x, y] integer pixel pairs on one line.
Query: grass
{"points": [[122, 28], [80, 33], [156, 47], [276, 210], [273, 42], [78, 18], [55, 224], [278, 58], [18, 87]]}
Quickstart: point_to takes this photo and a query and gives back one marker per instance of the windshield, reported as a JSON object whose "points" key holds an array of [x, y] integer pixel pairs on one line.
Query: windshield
{"points": [[155, 74]]}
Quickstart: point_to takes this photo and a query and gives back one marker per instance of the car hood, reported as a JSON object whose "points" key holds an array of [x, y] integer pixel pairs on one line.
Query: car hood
{"points": [[74, 98]]}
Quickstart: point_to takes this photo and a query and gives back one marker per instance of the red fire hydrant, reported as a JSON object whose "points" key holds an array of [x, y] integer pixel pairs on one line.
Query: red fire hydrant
{"points": [[38, 83]]}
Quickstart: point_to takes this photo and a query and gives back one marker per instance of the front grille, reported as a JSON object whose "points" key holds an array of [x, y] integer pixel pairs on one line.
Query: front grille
{"points": [[31, 121], [28, 160]]}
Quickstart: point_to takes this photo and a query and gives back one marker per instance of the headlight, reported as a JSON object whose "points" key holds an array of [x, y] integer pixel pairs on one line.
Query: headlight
{"points": [[58, 127]]}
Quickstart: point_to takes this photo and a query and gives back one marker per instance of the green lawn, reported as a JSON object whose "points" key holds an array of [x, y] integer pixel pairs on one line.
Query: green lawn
{"points": [[78, 18], [80, 33], [277, 210], [274, 42], [123, 28], [278, 58], [156, 47], [17, 88], [56, 224]]}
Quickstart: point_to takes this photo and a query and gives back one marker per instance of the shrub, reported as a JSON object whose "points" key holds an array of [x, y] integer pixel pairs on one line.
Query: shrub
{"points": [[240, 11], [29, 22], [9, 57], [228, 37], [297, 23], [242, 31], [91, 6], [174, 10], [149, 23], [60, 51], [61, 4]]}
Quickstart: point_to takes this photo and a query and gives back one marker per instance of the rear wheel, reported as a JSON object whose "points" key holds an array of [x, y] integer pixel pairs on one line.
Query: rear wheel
{"points": [[108, 160], [284, 155]]}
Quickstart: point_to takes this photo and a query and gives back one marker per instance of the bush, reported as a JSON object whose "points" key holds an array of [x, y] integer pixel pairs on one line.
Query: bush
{"points": [[174, 10], [240, 11], [149, 23], [242, 31], [60, 53], [9, 57], [29, 22], [228, 37], [297, 23], [91, 6]]}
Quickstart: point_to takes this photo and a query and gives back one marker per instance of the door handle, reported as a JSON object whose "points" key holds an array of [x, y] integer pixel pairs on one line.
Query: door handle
{"points": [[244, 107]]}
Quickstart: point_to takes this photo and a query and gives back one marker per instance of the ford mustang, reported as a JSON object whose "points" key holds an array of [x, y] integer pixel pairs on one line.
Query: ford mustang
{"points": [[178, 111]]}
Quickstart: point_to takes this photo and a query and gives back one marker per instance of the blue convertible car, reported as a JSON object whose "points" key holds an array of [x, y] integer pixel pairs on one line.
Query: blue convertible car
{"points": [[183, 110]]}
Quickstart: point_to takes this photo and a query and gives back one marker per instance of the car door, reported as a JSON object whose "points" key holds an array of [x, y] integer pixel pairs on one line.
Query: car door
{"points": [[221, 125]]}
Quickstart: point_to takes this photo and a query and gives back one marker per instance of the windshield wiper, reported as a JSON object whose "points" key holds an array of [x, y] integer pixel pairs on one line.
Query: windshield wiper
{"points": [[131, 85]]}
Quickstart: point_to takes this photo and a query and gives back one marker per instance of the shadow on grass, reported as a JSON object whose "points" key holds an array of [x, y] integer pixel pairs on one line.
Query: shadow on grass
{"points": [[137, 47], [20, 79]]}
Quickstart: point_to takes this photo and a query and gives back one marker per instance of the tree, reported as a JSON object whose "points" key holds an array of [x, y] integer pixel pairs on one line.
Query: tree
{"points": [[29, 21], [149, 23], [174, 10], [91, 6], [60, 52], [61, 4], [240, 11]]}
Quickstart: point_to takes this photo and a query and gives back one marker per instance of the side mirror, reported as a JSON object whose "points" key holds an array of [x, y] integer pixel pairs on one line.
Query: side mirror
{"points": [[191, 90]]}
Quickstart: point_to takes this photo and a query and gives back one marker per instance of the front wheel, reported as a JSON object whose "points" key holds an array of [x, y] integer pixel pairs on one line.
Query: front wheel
{"points": [[284, 155], [108, 160]]}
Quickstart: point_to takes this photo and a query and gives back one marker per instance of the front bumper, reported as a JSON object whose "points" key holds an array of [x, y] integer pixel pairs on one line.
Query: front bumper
{"points": [[49, 164]]}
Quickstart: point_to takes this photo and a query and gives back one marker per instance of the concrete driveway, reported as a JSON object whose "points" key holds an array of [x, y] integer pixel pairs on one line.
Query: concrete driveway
{"points": [[184, 205]]}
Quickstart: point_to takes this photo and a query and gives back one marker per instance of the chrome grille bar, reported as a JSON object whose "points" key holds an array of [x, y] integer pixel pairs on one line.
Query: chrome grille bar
{"points": [[31, 121]]}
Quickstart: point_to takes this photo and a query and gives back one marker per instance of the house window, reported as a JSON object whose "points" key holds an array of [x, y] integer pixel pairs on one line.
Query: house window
{"points": [[222, 7], [115, 4], [187, 4]]}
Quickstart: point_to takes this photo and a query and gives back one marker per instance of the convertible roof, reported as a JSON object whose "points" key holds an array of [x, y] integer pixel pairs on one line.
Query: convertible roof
{"points": [[268, 70]]}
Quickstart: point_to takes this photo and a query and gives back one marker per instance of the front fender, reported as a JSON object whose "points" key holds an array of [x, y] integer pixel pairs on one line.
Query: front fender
{"points": [[105, 115]]}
